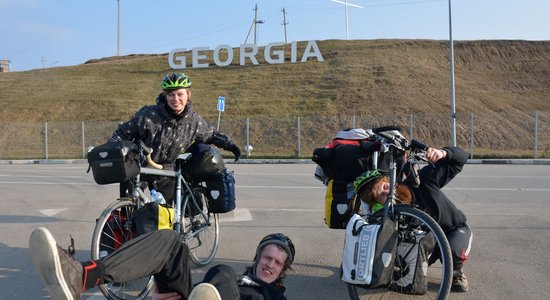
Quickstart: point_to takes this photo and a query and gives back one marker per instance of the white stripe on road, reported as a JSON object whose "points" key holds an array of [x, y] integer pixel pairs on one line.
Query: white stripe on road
{"points": [[41, 176], [284, 186], [52, 212], [276, 174], [278, 187], [499, 189], [237, 215], [289, 209], [47, 183]]}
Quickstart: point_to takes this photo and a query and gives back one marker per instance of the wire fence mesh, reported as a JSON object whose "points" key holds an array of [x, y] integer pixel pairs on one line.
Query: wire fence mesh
{"points": [[483, 135]]}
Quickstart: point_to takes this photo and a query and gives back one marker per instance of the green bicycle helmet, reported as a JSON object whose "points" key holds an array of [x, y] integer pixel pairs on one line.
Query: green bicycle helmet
{"points": [[175, 81], [366, 178]]}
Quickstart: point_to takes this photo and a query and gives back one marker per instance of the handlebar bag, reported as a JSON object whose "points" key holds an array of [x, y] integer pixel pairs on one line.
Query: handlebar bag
{"points": [[221, 192], [205, 161], [411, 263], [114, 162], [369, 252]]}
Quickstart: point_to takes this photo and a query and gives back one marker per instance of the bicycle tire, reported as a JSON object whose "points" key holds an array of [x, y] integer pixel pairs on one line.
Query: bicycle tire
{"points": [[114, 228], [439, 273], [203, 245]]}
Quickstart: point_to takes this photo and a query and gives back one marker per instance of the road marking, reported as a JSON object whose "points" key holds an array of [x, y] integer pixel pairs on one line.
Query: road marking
{"points": [[47, 183], [285, 186], [238, 215], [276, 174], [289, 209], [41, 176], [499, 189], [278, 187], [52, 211]]}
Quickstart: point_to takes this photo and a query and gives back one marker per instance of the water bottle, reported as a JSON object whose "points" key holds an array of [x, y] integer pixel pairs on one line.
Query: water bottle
{"points": [[157, 197]]}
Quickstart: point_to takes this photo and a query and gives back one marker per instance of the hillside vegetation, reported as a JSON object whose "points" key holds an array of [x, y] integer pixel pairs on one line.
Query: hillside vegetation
{"points": [[360, 77]]}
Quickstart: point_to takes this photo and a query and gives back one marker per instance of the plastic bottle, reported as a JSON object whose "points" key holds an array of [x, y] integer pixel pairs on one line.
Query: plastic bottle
{"points": [[157, 197]]}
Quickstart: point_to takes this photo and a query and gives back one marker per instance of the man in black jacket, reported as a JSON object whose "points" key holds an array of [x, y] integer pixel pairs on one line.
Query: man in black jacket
{"points": [[163, 254], [446, 164], [169, 128]]}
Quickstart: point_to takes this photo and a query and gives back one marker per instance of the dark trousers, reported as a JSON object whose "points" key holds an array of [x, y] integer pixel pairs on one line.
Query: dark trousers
{"points": [[460, 240], [223, 277], [163, 254], [160, 253]]}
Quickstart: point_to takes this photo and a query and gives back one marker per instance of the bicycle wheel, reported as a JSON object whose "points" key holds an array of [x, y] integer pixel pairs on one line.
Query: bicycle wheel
{"points": [[200, 229], [440, 270], [114, 228]]}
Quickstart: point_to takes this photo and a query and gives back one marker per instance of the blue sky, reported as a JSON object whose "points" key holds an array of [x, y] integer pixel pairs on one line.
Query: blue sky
{"points": [[38, 33]]}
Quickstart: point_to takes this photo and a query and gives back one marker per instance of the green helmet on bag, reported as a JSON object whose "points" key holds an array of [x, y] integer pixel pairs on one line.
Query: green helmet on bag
{"points": [[365, 178], [175, 81]]}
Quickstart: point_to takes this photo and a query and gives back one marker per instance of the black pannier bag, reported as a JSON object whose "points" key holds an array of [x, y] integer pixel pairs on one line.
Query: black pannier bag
{"points": [[412, 260], [205, 161], [338, 200], [221, 192], [153, 216], [114, 162]]}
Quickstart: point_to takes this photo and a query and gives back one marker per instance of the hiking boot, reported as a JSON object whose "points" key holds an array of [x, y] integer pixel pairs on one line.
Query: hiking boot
{"points": [[460, 283], [57, 268], [204, 291]]}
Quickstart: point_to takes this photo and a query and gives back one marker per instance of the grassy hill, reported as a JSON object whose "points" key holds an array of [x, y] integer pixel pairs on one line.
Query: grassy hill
{"points": [[364, 77], [380, 81]]}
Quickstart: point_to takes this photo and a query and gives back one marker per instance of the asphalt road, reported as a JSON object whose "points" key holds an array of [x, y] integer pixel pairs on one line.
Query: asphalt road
{"points": [[508, 207]]}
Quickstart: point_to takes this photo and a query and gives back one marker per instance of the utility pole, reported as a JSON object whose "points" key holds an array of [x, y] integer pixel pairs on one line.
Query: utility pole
{"points": [[118, 30], [284, 24], [346, 4], [451, 60], [254, 25]]}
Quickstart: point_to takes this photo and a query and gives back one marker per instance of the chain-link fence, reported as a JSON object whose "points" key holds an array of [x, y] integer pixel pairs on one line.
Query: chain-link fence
{"points": [[483, 135]]}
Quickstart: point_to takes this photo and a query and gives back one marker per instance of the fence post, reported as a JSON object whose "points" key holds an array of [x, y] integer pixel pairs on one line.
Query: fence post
{"points": [[83, 142], [536, 134], [247, 145], [46, 138], [471, 135], [353, 121], [299, 136]]}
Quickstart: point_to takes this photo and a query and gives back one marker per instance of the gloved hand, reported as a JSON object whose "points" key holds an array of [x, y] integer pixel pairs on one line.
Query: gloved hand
{"points": [[235, 150]]}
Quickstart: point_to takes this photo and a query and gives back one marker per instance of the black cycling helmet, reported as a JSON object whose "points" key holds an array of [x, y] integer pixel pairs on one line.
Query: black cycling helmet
{"points": [[175, 81], [277, 239]]}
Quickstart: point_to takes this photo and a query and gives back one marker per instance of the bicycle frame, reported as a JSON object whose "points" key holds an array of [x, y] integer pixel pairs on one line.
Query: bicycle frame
{"points": [[388, 145], [181, 184], [391, 141]]}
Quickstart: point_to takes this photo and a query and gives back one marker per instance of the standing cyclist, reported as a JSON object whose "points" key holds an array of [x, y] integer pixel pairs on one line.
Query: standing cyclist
{"points": [[169, 128]]}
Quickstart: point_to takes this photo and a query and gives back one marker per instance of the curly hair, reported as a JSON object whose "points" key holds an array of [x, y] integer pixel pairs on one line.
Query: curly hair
{"points": [[403, 193]]}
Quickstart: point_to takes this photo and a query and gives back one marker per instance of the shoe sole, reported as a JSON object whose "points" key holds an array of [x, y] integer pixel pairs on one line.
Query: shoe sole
{"points": [[204, 291], [47, 264]]}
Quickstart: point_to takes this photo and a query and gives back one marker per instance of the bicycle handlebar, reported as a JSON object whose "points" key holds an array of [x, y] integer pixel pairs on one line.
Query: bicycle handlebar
{"points": [[152, 163], [416, 145], [147, 151]]}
